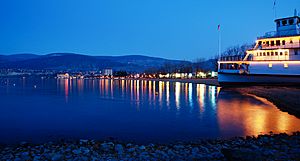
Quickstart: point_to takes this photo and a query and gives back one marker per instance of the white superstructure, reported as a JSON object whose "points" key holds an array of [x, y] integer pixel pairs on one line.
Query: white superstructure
{"points": [[274, 59]]}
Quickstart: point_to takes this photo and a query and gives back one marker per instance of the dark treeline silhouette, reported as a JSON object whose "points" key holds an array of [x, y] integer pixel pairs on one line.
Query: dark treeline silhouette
{"points": [[237, 50], [201, 64]]}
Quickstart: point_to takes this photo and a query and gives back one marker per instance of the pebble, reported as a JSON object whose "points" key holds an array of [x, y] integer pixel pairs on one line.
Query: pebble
{"points": [[119, 149], [263, 147], [76, 151]]}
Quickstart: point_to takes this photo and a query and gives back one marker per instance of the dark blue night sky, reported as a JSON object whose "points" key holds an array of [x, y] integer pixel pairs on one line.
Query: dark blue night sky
{"points": [[174, 29]]}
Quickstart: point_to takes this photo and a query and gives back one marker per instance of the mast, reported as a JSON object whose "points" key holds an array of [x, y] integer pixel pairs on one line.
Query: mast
{"points": [[274, 9]]}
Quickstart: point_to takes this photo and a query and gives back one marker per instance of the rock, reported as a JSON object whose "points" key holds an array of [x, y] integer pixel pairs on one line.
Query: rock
{"points": [[142, 147], [203, 149], [76, 151], [131, 150], [119, 149], [195, 150], [84, 150], [105, 147], [24, 143], [242, 154], [83, 141], [18, 159], [178, 147], [37, 158], [128, 145], [25, 156], [171, 153], [57, 157]]}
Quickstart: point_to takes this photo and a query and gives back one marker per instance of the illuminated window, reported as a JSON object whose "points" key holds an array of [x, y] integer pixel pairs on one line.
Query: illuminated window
{"points": [[286, 65], [277, 42], [259, 43], [286, 53], [270, 65]]}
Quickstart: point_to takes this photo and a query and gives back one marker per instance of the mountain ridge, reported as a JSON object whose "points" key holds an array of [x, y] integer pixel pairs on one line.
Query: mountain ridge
{"points": [[73, 61]]}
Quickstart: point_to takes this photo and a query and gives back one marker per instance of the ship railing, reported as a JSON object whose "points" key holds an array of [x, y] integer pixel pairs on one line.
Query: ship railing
{"points": [[268, 35], [232, 58], [273, 34]]}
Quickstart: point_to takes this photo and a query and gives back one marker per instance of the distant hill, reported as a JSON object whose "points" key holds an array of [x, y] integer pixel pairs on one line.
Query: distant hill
{"points": [[71, 61]]}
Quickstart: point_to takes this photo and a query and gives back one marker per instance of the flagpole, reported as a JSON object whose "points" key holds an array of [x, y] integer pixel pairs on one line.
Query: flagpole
{"points": [[219, 42]]}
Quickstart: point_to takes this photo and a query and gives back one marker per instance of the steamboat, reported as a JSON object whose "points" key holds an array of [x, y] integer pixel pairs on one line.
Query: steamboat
{"points": [[274, 59]]}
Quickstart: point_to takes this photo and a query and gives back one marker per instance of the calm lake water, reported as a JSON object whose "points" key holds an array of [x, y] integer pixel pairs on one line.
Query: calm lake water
{"points": [[141, 111]]}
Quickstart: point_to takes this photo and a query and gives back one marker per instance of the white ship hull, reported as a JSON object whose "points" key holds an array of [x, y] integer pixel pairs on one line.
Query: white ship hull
{"points": [[230, 79]]}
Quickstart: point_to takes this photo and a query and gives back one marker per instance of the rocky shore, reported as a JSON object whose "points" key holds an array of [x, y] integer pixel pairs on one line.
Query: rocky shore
{"points": [[262, 147], [285, 98]]}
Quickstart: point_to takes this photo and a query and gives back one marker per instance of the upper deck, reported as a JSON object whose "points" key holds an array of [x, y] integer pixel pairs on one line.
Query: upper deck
{"points": [[285, 27], [286, 36], [284, 42]]}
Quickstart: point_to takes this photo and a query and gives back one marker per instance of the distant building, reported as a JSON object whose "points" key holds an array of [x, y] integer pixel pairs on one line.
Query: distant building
{"points": [[107, 72], [63, 76]]}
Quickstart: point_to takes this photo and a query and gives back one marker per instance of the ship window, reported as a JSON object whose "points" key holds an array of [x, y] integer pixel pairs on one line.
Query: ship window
{"points": [[268, 43], [278, 23], [296, 52], [260, 54], [270, 65], [286, 65], [284, 22], [268, 54], [259, 43], [291, 21], [272, 43], [276, 53], [283, 42], [286, 53], [291, 41], [277, 42], [264, 54], [281, 53], [272, 53]]}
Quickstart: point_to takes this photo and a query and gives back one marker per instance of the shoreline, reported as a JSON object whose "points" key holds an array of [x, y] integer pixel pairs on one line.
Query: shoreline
{"points": [[263, 147], [207, 81], [284, 98]]}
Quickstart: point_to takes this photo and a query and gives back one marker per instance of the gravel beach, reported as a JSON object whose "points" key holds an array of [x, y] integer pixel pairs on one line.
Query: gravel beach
{"points": [[262, 147]]}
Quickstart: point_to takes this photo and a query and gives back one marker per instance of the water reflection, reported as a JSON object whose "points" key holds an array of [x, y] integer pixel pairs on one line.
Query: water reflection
{"points": [[177, 95], [139, 109], [252, 118]]}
